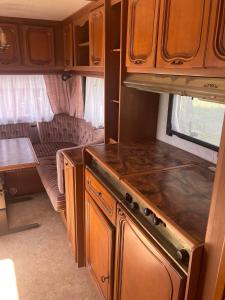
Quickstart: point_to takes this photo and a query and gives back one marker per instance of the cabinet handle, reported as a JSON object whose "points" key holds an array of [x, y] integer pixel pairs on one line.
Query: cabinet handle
{"points": [[104, 278], [121, 213], [138, 61], [66, 164], [5, 62], [177, 62], [99, 194], [95, 61]]}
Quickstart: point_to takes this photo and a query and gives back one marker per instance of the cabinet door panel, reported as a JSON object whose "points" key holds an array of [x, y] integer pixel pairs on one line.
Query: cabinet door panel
{"points": [[10, 56], [182, 33], [96, 25], [39, 46], [68, 46], [142, 272], [142, 31], [100, 240], [215, 51]]}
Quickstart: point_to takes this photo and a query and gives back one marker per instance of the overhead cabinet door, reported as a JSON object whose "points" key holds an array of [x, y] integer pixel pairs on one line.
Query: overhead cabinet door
{"points": [[68, 46], [38, 46], [215, 51], [182, 33], [142, 33], [96, 25], [11, 56]]}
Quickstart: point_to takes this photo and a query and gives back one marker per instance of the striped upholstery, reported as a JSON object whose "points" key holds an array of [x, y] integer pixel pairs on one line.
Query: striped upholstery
{"points": [[50, 149], [10, 131], [62, 128], [48, 175]]}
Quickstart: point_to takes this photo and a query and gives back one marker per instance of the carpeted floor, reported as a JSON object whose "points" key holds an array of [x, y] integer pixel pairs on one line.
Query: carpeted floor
{"points": [[41, 258]]}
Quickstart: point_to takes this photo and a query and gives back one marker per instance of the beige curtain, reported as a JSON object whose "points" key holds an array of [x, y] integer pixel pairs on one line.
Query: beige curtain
{"points": [[65, 96]]}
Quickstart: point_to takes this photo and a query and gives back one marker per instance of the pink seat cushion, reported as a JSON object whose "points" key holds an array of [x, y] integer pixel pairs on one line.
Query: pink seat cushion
{"points": [[50, 149], [48, 175]]}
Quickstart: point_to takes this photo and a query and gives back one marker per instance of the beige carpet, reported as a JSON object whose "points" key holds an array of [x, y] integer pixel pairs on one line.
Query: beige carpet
{"points": [[41, 258]]}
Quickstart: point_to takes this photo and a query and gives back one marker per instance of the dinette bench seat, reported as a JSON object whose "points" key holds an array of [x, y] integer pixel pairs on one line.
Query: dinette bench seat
{"points": [[49, 137]]}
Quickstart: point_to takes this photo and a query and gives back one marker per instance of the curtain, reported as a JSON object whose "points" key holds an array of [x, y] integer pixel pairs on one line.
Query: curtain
{"points": [[94, 101], [65, 96], [23, 98]]}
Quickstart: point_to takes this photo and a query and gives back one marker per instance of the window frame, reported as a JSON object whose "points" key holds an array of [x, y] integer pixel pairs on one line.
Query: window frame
{"points": [[171, 132]]}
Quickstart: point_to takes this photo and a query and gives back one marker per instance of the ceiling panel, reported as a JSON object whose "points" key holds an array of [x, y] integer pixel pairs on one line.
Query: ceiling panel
{"points": [[40, 9]]}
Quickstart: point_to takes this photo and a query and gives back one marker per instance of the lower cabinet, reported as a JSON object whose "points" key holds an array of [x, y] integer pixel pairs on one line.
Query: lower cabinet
{"points": [[99, 247], [142, 271]]}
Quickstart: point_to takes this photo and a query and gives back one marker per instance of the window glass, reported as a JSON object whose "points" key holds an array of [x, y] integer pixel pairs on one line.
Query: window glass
{"points": [[23, 98], [198, 119]]}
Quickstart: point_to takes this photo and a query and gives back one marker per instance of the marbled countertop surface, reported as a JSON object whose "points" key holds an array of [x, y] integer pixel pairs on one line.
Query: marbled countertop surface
{"points": [[174, 181]]}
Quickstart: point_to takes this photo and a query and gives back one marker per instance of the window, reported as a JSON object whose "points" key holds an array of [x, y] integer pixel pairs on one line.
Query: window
{"points": [[23, 98], [94, 101], [196, 120]]}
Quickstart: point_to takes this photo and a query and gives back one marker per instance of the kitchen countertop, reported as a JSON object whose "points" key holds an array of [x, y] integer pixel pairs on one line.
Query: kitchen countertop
{"points": [[175, 182], [127, 159]]}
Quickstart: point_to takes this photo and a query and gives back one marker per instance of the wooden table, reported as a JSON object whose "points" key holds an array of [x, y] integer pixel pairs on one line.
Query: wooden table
{"points": [[15, 154]]}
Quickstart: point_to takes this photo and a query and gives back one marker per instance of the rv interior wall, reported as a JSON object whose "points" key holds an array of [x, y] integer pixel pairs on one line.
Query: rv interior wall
{"points": [[200, 151]]}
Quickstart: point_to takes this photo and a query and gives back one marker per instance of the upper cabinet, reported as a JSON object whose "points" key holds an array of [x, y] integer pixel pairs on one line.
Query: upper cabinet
{"points": [[215, 52], [68, 45], [38, 46], [142, 33], [182, 33], [10, 56], [96, 33]]}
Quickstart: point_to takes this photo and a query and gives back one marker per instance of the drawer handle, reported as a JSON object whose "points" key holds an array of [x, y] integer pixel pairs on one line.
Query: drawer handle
{"points": [[104, 278], [177, 62], [139, 61]]}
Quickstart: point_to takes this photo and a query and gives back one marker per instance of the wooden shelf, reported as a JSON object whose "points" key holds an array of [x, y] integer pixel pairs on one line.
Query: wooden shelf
{"points": [[114, 2], [113, 141], [89, 70], [116, 101], [85, 44], [116, 50]]}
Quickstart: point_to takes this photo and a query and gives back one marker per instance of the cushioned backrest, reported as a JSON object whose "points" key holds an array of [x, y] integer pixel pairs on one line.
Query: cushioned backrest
{"points": [[87, 134], [62, 128], [10, 131]]}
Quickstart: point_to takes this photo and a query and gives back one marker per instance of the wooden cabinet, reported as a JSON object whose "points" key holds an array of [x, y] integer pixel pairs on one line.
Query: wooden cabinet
{"points": [[68, 46], [38, 46], [75, 212], [215, 50], [142, 33], [96, 33], [142, 270], [11, 56], [182, 33], [99, 247]]}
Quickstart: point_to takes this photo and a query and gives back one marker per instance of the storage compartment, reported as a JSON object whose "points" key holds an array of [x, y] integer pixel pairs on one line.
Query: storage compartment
{"points": [[81, 43]]}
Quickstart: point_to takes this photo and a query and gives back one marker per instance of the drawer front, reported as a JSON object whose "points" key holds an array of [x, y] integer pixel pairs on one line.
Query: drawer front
{"points": [[101, 196]]}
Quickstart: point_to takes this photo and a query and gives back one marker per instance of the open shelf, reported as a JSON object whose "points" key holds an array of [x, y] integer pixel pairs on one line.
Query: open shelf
{"points": [[114, 2], [85, 44], [116, 101], [116, 50]]}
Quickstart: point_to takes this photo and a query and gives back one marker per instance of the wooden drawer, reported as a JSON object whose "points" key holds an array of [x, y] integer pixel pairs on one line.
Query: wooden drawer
{"points": [[101, 196]]}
